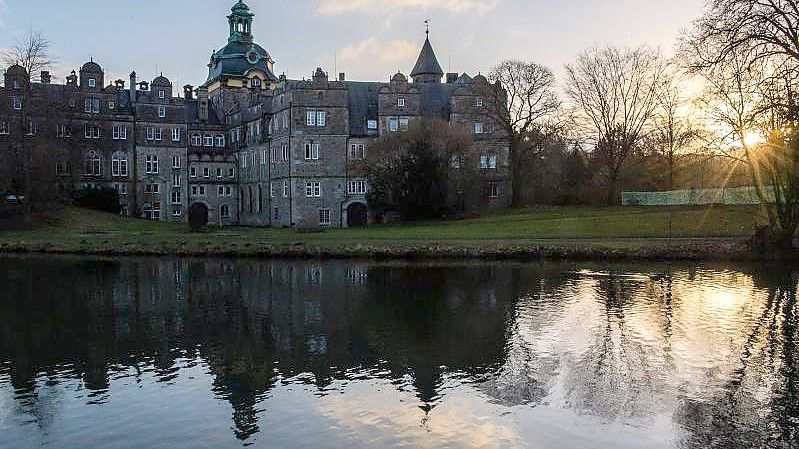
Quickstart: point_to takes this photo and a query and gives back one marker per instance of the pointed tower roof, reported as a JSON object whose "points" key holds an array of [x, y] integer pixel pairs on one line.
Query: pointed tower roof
{"points": [[427, 64]]}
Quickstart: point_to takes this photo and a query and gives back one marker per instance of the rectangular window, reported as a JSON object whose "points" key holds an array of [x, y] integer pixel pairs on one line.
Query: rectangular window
{"points": [[151, 165], [161, 111], [176, 134], [193, 172], [493, 189], [478, 128], [4, 128], [324, 217], [196, 140], [16, 103], [152, 188], [156, 211], [202, 191], [176, 179], [285, 189], [321, 118], [91, 131], [311, 151], [206, 172], [150, 133], [91, 106], [112, 105], [119, 133], [218, 172], [310, 119], [271, 190], [488, 162], [208, 140], [33, 128], [393, 124], [313, 189], [161, 94], [403, 123], [478, 102], [231, 172], [195, 190], [400, 102], [62, 131], [175, 161], [357, 151], [224, 211], [356, 187], [177, 212], [286, 155], [158, 133], [176, 196], [92, 82], [220, 141], [371, 124]]}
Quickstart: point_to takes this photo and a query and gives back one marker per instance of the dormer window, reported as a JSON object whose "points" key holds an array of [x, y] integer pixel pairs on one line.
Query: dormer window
{"points": [[401, 102], [92, 82], [256, 82], [161, 94]]}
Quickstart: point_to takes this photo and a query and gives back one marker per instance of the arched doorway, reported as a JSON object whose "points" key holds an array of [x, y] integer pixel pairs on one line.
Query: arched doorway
{"points": [[198, 216], [357, 215]]}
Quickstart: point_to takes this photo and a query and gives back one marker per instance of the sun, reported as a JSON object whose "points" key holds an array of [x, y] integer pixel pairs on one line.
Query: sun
{"points": [[752, 139]]}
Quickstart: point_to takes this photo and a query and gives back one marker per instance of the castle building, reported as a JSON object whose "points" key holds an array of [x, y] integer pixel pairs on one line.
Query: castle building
{"points": [[246, 147]]}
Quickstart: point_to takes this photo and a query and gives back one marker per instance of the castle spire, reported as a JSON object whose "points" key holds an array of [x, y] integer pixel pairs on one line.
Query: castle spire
{"points": [[240, 21], [427, 68]]}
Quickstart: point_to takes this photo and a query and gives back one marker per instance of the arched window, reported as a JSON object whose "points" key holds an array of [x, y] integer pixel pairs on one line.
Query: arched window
{"points": [[93, 164], [196, 140], [224, 211]]}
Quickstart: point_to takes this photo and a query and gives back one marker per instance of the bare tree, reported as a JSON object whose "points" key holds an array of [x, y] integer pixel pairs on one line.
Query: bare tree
{"points": [[674, 131], [522, 100], [32, 53], [614, 94], [758, 29]]}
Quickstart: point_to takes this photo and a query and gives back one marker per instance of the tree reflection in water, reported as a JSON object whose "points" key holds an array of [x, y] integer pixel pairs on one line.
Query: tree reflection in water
{"points": [[704, 356]]}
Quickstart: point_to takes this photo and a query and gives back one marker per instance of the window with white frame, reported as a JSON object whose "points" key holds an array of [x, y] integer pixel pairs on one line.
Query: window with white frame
{"points": [[478, 102], [324, 217], [311, 151], [203, 191], [357, 151], [313, 189], [175, 162], [93, 164], [493, 189], [16, 103], [176, 134], [488, 161], [176, 179], [119, 133], [356, 187], [61, 131], [231, 172], [153, 189], [91, 106], [158, 134], [33, 128], [397, 124], [478, 128], [220, 140], [161, 94], [271, 190], [176, 196], [161, 111], [91, 131], [285, 189], [401, 102], [263, 157], [206, 172], [156, 211], [119, 165], [193, 172], [92, 82], [273, 155], [196, 140], [177, 212], [4, 129], [112, 105], [149, 133], [371, 125], [286, 155], [219, 172], [285, 119], [316, 118], [208, 140], [151, 165]]}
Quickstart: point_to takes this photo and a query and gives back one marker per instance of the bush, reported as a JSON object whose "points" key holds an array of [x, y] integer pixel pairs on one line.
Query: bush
{"points": [[104, 199]]}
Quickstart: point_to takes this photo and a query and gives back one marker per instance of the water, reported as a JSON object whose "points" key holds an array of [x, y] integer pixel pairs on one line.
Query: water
{"points": [[160, 353]]}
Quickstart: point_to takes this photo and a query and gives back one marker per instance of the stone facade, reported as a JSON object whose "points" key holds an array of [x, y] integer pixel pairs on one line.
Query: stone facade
{"points": [[247, 147]]}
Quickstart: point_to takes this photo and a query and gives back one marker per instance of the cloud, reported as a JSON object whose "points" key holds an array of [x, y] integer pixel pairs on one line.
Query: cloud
{"points": [[373, 54], [336, 7]]}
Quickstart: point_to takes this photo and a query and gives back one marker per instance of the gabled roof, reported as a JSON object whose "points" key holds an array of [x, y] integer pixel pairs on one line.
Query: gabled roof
{"points": [[427, 64]]}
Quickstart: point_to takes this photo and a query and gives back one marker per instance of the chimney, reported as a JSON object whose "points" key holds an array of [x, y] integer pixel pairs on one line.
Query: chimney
{"points": [[188, 92], [451, 78], [342, 77], [202, 96], [132, 87], [45, 77]]}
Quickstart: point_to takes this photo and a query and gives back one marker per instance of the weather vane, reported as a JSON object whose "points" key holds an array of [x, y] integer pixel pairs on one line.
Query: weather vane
{"points": [[427, 27]]}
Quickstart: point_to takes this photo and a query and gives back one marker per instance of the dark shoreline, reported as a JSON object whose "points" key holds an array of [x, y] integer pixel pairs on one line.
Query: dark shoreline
{"points": [[716, 250]]}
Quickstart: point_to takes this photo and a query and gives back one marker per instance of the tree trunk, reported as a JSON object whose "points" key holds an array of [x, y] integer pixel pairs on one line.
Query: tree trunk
{"points": [[613, 181], [516, 173], [758, 180]]}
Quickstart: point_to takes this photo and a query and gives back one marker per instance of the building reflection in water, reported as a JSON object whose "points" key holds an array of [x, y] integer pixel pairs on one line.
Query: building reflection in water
{"points": [[703, 356]]}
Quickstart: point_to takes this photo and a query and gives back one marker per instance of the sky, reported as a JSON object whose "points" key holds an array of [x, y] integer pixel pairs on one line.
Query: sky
{"points": [[366, 39]]}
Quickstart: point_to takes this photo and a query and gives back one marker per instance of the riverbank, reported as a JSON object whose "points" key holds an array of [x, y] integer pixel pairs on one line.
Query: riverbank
{"points": [[559, 233]]}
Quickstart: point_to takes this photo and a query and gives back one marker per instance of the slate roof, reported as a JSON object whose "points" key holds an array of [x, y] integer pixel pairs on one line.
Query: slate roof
{"points": [[427, 64], [232, 60]]}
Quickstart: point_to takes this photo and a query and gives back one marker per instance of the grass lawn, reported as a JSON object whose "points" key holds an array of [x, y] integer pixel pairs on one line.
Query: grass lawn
{"points": [[626, 228]]}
